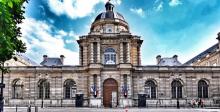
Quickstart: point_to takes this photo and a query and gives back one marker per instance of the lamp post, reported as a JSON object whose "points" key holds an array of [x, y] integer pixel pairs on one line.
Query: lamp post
{"points": [[42, 103], [43, 92], [2, 85], [179, 76]]}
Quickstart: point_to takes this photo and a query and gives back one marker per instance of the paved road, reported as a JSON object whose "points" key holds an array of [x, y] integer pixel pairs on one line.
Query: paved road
{"points": [[24, 109]]}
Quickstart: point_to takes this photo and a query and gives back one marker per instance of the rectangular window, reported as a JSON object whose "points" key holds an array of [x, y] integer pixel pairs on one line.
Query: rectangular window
{"points": [[125, 52], [67, 92], [179, 92], [173, 92], [95, 79], [95, 53], [138, 55], [153, 92], [125, 79], [81, 55], [73, 92]]}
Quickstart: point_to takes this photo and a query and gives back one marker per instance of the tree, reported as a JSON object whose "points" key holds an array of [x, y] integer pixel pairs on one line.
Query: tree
{"points": [[11, 14]]}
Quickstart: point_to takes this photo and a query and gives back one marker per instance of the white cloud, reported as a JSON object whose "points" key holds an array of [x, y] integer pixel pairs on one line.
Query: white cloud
{"points": [[116, 2], [159, 7], [39, 40], [75, 8], [138, 11], [174, 3], [74, 35]]}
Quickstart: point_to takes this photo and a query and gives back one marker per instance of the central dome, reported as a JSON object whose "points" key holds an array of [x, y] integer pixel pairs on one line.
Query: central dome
{"points": [[109, 15], [109, 21]]}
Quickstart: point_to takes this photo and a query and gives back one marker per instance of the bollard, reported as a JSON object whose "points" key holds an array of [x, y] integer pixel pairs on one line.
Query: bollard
{"points": [[29, 108], [16, 108], [36, 109], [178, 104]]}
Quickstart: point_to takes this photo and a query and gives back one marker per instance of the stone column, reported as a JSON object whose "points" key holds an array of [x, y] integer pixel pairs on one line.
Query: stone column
{"points": [[121, 52], [139, 55], [121, 84], [91, 83], [99, 86], [85, 55], [91, 51], [129, 84], [98, 53], [128, 53], [80, 55]]}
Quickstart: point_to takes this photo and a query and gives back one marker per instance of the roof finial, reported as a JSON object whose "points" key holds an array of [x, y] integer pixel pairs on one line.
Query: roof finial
{"points": [[109, 6], [218, 36]]}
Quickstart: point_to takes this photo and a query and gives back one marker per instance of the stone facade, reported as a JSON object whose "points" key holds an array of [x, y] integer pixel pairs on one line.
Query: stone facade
{"points": [[110, 61]]}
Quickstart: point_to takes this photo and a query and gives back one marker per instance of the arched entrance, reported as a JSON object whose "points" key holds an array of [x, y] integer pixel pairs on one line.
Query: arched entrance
{"points": [[110, 93]]}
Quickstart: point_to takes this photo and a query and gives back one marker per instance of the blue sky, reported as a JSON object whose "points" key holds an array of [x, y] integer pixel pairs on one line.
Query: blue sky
{"points": [[168, 27]]}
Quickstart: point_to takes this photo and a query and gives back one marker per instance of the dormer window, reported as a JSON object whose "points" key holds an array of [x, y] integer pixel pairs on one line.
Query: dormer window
{"points": [[109, 56]]}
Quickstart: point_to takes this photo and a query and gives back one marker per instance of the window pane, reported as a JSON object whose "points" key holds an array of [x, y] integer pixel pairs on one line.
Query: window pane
{"points": [[110, 56], [176, 89], [70, 89], [150, 89], [67, 92], [202, 89], [173, 92], [179, 92], [153, 92]]}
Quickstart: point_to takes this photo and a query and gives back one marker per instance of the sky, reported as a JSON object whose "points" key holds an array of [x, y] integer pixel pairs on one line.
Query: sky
{"points": [[168, 27]]}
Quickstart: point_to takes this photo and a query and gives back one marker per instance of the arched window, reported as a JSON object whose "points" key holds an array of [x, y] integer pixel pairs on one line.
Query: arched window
{"points": [[110, 56], [44, 89], [17, 91], [150, 89], [69, 89], [202, 89], [176, 89]]}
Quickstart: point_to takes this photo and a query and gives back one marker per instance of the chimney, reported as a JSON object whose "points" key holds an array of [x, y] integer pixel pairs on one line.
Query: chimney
{"points": [[44, 57], [218, 38], [62, 58], [158, 58], [175, 57]]}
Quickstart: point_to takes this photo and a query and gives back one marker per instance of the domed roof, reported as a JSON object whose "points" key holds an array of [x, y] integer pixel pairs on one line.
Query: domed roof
{"points": [[109, 21], [109, 13]]}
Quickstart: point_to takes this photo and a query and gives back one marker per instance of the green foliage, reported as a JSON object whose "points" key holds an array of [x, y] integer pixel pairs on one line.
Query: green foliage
{"points": [[11, 14]]}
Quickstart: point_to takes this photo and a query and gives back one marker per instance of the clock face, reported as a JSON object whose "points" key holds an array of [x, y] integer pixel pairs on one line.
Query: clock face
{"points": [[109, 29]]}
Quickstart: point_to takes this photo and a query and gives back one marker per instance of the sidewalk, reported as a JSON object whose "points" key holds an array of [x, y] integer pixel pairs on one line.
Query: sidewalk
{"points": [[69, 109]]}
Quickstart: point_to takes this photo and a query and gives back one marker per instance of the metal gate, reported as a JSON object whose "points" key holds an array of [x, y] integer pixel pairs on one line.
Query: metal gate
{"points": [[141, 100], [79, 100]]}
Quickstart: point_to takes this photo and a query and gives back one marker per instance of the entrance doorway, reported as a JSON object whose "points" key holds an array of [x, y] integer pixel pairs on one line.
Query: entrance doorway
{"points": [[110, 93]]}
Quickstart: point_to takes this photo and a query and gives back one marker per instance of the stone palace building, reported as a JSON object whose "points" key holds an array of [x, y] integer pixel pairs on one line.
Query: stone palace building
{"points": [[110, 73]]}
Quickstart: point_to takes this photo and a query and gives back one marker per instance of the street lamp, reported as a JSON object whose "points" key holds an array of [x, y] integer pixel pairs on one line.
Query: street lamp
{"points": [[43, 92], [42, 103], [2, 85], [176, 77]]}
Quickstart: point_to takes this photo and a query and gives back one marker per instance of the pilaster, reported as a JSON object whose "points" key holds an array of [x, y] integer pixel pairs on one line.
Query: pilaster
{"points": [[91, 53], [121, 52], [98, 53], [128, 53]]}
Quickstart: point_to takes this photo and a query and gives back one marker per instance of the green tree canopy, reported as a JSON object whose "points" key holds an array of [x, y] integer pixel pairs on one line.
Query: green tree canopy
{"points": [[11, 14]]}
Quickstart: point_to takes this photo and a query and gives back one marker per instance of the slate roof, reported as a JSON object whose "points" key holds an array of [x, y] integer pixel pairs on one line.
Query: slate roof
{"points": [[169, 62], [203, 54], [23, 56], [52, 62], [109, 15]]}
